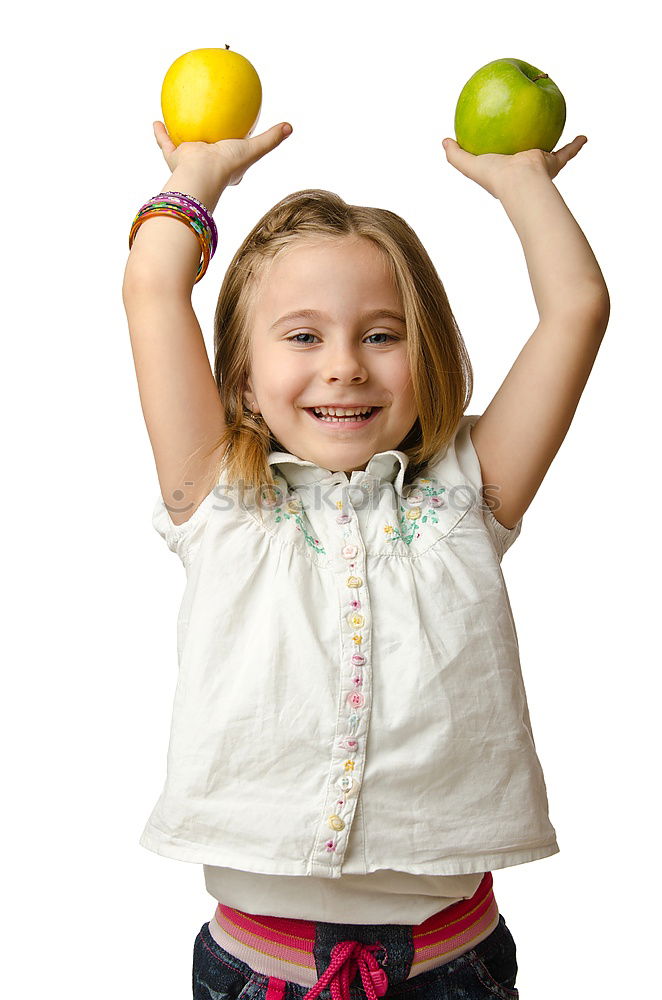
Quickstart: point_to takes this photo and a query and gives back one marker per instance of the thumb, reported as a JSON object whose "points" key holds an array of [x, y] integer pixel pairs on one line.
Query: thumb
{"points": [[268, 140], [161, 135], [458, 157]]}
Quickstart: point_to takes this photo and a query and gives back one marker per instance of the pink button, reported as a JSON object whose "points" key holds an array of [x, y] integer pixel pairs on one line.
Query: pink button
{"points": [[343, 518], [358, 659], [349, 551], [355, 699]]}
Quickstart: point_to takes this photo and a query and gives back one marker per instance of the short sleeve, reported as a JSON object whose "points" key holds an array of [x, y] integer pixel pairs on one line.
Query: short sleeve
{"points": [[182, 538], [469, 464]]}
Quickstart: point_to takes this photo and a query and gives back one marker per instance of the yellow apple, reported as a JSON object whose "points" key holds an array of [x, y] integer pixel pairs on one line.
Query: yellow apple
{"points": [[210, 94]]}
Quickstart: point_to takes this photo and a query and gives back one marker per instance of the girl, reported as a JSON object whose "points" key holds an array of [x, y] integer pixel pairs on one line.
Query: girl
{"points": [[350, 706]]}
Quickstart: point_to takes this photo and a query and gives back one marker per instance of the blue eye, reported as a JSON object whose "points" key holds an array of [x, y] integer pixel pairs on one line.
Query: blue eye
{"points": [[296, 335], [383, 335], [294, 339]]}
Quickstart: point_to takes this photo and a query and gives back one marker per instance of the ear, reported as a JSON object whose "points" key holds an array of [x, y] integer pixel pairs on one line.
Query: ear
{"points": [[249, 402]]}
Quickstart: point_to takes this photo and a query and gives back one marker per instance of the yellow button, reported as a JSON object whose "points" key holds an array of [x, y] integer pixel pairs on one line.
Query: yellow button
{"points": [[336, 823], [354, 581], [355, 619]]}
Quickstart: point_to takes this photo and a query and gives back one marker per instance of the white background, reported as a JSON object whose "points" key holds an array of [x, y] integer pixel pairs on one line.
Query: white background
{"points": [[90, 660]]}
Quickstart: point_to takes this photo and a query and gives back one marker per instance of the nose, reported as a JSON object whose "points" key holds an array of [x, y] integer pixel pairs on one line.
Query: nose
{"points": [[344, 365]]}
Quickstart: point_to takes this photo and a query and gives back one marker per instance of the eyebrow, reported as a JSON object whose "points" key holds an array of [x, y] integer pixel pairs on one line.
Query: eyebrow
{"points": [[315, 314]]}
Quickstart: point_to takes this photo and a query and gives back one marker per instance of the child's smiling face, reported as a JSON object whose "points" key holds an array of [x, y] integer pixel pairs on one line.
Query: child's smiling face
{"points": [[341, 357]]}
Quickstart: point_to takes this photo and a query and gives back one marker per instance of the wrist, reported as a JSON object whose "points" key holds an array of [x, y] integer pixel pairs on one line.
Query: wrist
{"points": [[519, 177], [201, 176]]}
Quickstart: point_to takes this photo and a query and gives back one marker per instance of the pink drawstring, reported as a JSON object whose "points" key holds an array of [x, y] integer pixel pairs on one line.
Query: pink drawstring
{"points": [[276, 988], [346, 958]]}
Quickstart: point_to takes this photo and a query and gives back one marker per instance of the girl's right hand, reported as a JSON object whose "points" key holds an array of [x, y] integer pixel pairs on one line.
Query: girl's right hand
{"points": [[233, 156]]}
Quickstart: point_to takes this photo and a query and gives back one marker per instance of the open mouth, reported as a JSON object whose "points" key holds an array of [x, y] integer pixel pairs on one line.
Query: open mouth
{"points": [[353, 421]]}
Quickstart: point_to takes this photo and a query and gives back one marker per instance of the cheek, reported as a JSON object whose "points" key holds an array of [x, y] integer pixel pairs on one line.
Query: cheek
{"points": [[285, 387], [404, 384], [408, 399]]}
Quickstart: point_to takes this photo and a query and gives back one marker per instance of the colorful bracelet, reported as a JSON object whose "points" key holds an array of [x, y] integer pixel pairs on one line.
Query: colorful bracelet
{"points": [[188, 210]]}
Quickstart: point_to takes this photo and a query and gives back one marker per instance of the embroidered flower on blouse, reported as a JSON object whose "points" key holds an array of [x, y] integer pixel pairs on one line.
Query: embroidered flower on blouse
{"points": [[269, 498], [292, 510], [357, 638], [357, 681], [415, 498], [431, 492], [330, 845], [349, 765], [411, 519]]}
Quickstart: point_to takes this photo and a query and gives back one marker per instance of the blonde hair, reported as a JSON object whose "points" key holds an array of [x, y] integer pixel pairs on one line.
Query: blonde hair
{"points": [[441, 373]]}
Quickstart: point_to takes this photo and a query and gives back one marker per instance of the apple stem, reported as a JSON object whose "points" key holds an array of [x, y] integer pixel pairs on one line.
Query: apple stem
{"points": [[227, 47], [541, 76]]}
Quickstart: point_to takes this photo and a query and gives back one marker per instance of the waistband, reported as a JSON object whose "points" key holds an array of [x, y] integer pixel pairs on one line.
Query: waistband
{"points": [[327, 956]]}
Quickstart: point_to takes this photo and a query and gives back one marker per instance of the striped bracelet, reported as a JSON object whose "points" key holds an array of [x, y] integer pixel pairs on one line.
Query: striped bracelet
{"points": [[188, 210]]}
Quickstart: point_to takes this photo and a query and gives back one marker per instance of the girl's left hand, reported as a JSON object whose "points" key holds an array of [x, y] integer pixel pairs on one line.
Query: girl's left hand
{"points": [[491, 169]]}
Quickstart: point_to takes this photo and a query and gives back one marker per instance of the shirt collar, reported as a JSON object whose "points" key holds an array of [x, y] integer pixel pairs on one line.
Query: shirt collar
{"points": [[385, 466]]}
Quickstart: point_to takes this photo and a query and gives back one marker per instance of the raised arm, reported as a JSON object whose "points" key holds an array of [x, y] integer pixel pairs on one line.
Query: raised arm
{"points": [[520, 432], [178, 394]]}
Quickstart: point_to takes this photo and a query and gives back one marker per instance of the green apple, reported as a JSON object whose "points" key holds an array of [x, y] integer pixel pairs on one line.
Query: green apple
{"points": [[507, 106]]}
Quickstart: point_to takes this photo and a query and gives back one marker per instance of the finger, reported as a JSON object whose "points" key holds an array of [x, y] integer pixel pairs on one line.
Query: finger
{"points": [[570, 149], [574, 146], [577, 143], [162, 137], [455, 153], [458, 157], [266, 141]]}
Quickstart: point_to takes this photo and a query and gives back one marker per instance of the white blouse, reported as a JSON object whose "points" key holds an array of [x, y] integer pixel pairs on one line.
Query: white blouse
{"points": [[349, 675]]}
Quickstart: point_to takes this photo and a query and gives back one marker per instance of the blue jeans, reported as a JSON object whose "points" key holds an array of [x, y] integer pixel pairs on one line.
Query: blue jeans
{"points": [[488, 970]]}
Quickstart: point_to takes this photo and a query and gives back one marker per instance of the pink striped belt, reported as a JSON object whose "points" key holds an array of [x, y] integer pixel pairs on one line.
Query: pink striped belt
{"points": [[266, 942]]}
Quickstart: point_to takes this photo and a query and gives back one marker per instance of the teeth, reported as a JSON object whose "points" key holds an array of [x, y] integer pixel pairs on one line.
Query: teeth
{"points": [[338, 412]]}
